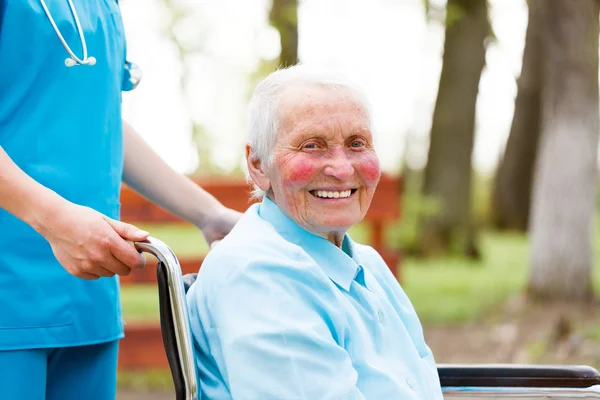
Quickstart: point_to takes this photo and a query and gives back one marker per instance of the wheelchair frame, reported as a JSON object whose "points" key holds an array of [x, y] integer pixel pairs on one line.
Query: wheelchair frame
{"points": [[463, 380]]}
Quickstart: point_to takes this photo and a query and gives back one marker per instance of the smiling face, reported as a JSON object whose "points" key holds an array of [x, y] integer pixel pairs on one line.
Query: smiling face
{"points": [[325, 170]]}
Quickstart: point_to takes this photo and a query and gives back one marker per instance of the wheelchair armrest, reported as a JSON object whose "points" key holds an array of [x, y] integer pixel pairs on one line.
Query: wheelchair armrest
{"points": [[188, 280], [518, 375]]}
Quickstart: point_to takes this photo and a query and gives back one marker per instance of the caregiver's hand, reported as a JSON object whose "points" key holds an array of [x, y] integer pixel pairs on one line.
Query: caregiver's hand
{"points": [[218, 223], [90, 245]]}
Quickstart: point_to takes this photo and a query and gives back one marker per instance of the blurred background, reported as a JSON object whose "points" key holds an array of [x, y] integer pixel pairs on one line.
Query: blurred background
{"points": [[486, 115]]}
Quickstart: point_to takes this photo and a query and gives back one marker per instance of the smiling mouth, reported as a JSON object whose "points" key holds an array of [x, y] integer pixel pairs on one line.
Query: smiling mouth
{"points": [[333, 194]]}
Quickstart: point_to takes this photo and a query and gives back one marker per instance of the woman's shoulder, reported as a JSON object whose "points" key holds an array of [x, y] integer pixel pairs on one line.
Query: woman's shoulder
{"points": [[255, 249]]}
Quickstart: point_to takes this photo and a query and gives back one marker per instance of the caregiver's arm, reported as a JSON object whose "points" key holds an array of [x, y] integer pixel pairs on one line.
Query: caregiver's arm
{"points": [[86, 243], [274, 331], [146, 173]]}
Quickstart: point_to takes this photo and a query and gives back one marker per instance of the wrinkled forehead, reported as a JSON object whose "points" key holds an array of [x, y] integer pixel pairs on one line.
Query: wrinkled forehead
{"points": [[301, 103]]}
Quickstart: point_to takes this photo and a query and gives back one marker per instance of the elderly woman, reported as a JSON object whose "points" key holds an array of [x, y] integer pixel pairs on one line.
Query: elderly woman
{"points": [[288, 306]]}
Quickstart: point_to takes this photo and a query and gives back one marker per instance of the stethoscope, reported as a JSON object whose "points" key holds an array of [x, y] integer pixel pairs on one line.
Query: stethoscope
{"points": [[133, 72]]}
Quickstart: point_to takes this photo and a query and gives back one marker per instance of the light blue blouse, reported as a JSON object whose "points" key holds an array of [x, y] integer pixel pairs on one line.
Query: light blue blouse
{"points": [[279, 313]]}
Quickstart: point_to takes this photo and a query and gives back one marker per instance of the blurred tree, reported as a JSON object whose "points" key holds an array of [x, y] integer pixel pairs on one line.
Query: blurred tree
{"points": [[448, 171], [564, 191], [511, 199], [284, 17], [179, 13]]}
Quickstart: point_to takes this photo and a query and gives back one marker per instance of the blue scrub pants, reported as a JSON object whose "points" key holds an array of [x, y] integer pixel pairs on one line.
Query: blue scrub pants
{"points": [[66, 373]]}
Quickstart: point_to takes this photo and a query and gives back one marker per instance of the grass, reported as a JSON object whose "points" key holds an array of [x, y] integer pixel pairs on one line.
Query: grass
{"points": [[140, 303], [146, 381], [185, 240], [455, 290]]}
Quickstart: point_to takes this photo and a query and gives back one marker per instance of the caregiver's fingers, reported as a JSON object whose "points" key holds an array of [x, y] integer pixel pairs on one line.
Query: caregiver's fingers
{"points": [[121, 247], [126, 256]]}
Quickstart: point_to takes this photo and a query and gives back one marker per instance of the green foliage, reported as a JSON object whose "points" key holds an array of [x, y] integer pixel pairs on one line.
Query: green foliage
{"points": [[177, 13], [415, 208], [454, 290]]}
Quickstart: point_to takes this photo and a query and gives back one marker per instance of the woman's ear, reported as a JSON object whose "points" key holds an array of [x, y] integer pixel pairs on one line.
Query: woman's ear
{"points": [[256, 171]]}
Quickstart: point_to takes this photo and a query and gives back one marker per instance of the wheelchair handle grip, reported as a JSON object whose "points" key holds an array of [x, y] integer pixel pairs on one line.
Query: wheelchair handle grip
{"points": [[178, 309]]}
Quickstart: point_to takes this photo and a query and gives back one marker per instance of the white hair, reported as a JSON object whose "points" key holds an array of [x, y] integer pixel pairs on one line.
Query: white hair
{"points": [[263, 108]]}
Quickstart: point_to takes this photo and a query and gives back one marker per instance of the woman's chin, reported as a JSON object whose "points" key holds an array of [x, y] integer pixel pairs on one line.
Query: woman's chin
{"points": [[334, 227]]}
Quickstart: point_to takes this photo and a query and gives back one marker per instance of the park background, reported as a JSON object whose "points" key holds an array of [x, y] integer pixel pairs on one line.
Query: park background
{"points": [[485, 111]]}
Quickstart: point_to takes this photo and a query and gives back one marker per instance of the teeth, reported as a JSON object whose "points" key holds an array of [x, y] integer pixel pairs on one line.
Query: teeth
{"points": [[333, 194]]}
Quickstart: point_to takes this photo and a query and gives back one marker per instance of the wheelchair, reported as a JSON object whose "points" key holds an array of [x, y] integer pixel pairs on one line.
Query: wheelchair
{"points": [[457, 380]]}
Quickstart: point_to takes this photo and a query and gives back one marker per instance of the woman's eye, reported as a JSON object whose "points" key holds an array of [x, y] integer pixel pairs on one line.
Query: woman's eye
{"points": [[357, 144], [310, 146]]}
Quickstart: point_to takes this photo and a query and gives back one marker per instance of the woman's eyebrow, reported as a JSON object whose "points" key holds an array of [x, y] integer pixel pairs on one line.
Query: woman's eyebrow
{"points": [[361, 131], [310, 132]]}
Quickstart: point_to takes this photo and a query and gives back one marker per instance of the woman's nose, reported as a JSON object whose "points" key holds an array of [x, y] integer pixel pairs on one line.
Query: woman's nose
{"points": [[339, 166]]}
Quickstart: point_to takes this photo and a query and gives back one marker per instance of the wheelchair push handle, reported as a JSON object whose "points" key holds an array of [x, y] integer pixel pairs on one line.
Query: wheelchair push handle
{"points": [[174, 315]]}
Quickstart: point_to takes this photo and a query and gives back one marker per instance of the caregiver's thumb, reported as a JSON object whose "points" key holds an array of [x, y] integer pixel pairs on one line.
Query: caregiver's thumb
{"points": [[127, 231]]}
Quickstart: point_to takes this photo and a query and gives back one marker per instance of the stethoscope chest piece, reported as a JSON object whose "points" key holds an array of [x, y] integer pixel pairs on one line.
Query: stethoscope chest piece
{"points": [[132, 76], [70, 62], [132, 72]]}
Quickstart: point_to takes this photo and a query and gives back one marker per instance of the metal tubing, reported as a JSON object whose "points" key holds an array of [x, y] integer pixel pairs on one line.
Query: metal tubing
{"points": [[178, 308]]}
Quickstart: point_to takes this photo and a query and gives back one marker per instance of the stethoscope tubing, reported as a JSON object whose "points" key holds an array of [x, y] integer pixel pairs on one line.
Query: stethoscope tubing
{"points": [[134, 73], [73, 60]]}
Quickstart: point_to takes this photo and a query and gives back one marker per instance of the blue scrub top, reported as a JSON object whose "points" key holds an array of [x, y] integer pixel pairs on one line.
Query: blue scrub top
{"points": [[62, 126]]}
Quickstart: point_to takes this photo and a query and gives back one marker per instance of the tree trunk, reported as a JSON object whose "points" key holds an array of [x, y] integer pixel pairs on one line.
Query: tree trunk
{"points": [[448, 171], [284, 17], [512, 187], [564, 193]]}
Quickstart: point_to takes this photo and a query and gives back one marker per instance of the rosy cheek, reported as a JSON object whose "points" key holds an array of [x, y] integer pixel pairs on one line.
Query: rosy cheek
{"points": [[300, 172], [368, 168]]}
